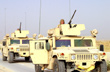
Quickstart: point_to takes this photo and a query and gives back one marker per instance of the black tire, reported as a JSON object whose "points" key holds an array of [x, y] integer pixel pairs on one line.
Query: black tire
{"points": [[10, 57], [75, 71], [27, 58], [4, 58], [38, 68], [58, 66], [100, 67]]}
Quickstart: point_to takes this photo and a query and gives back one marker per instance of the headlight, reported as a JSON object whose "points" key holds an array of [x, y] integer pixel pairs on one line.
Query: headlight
{"points": [[17, 49], [95, 57], [73, 57]]}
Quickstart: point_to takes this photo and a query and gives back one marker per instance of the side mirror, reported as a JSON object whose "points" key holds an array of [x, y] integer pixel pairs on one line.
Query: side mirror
{"points": [[4, 43], [101, 47], [47, 46]]}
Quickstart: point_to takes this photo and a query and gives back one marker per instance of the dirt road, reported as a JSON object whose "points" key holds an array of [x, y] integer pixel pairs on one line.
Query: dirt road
{"points": [[4, 69], [19, 66]]}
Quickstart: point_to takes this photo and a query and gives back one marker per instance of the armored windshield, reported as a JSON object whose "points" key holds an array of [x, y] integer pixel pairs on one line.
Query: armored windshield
{"points": [[83, 43], [15, 41], [25, 41], [63, 43]]}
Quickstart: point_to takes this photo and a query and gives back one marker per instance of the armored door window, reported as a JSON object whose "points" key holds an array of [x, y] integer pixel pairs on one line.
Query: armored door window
{"points": [[39, 45], [25, 41], [83, 43], [63, 43], [15, 41]]}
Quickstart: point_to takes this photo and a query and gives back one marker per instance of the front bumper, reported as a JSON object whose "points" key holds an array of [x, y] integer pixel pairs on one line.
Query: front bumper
{"points": [[22, 52], [85, 65]]}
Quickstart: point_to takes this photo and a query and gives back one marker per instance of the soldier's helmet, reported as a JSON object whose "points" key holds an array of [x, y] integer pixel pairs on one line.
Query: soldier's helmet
{"points": [[62, 21]]}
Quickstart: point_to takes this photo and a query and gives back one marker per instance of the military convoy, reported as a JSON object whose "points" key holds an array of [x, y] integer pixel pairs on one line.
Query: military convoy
{"points": [[16, 46], [63, 50]]}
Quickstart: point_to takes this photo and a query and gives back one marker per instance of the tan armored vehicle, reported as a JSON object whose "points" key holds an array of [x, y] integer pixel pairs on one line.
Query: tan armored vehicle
{"points": [[66, 51], [16, 46]]}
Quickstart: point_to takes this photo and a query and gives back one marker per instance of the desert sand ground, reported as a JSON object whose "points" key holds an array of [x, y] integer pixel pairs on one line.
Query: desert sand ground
{"points": [[106, 44]]}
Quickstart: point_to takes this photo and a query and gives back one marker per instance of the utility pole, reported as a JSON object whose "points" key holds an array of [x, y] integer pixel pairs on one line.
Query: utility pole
{"points": [[25, 20], [40, 17], [70, 8], [5, 21]]}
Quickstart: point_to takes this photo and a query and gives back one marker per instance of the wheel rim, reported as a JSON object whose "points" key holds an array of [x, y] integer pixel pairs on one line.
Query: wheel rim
{"points": [[8, 58], [2, 56], [98, 69], [56, 68]]}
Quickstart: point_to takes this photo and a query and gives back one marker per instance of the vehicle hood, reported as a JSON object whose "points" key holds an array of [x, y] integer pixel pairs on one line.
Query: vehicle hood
{"points": [[19, 46], [76, 51]]}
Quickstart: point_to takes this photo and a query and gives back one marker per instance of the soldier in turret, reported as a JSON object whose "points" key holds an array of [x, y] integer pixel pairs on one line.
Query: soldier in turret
{"points": [[59, 26], [61, 22]]}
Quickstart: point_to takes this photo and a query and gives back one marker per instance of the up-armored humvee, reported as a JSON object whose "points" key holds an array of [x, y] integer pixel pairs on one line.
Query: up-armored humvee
{"points": [[64, 50], [16, 46]]}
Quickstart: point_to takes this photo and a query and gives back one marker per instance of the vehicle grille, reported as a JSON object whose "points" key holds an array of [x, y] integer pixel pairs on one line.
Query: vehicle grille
{"points": [[84, 57], [80, 50], [23, 46], [24, 49]]}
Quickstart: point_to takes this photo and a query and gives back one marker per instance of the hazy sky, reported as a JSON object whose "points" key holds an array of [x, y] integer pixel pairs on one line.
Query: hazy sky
{"points": [[95, 14]]}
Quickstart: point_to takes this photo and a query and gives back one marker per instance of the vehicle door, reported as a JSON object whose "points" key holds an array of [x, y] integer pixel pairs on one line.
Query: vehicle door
{"points": [[4, 48], [38, 52]]}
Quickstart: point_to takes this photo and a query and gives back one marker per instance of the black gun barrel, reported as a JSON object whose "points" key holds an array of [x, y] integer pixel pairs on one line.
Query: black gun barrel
{"points": [[20, 27], [71, 18]]}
